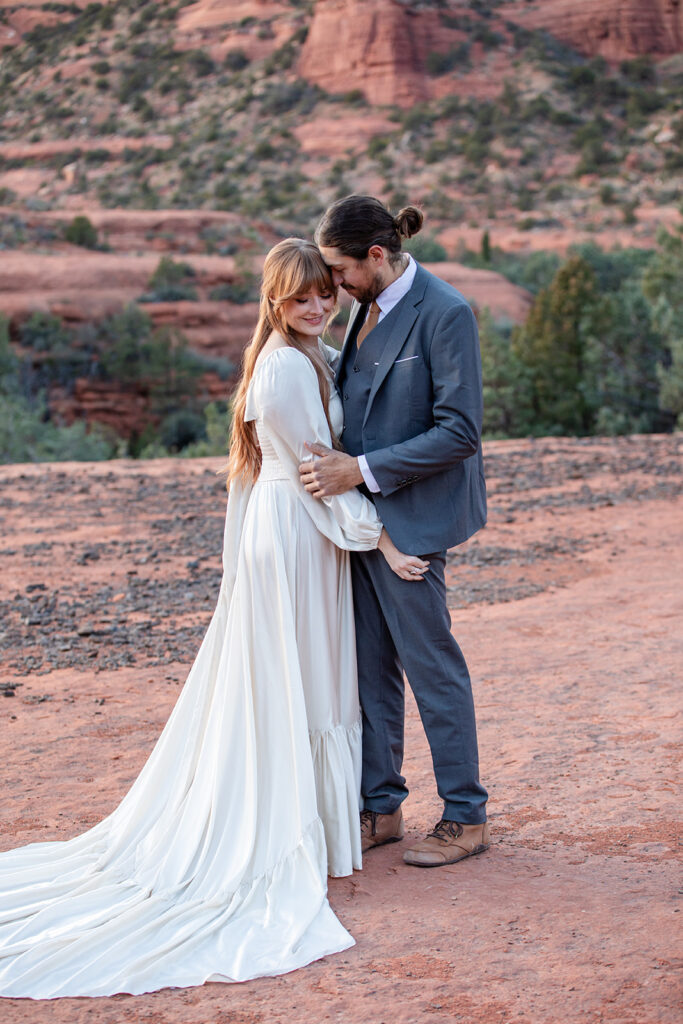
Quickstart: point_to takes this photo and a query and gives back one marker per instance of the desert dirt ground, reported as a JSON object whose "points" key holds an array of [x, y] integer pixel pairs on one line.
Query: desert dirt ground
{"points": [[568, 607]]}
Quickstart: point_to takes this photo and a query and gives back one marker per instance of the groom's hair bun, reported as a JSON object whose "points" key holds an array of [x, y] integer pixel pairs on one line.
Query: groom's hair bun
{"points": [[355, 223], [408, 221]]}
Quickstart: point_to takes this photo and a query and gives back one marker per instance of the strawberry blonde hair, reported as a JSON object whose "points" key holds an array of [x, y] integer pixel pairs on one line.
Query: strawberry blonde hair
{"points": [[292, 267]]}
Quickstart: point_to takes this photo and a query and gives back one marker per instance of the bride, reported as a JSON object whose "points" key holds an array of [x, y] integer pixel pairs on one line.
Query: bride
{"points": [[214, 865]]}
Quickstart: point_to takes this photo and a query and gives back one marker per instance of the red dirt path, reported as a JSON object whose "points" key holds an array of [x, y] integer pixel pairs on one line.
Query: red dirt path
{"points": [[573, 915]]}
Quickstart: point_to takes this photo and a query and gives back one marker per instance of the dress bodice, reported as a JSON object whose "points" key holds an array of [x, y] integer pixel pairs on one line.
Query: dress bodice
{"points": [[271, 467]]}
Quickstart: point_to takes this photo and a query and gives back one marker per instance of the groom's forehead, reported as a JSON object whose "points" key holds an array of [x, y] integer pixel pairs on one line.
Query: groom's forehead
{"points": [[335, 259]]}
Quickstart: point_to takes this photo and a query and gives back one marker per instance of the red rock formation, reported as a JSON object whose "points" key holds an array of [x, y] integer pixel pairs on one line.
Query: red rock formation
{"points": [[381, 47], [614, 29], [486, 289], [125, 409], [81, 287], [48, 148], [338, 136], [256, 27], [376, 47]]}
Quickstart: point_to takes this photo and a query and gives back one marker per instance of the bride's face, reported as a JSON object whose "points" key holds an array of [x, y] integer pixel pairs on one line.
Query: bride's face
{"points": [[307, 314]]}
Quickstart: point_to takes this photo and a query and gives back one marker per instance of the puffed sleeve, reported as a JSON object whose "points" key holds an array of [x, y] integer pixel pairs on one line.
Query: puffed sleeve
{"points": [[285, 397]]}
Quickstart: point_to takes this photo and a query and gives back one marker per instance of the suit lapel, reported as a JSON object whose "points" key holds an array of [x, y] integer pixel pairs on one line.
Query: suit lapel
{"points": [[406, 312], [356, 318]]}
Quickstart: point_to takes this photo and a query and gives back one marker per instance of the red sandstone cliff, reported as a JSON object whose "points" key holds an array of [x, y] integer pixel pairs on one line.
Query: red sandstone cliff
{"points": [[381, 48], [377, 47], [614, 29]]}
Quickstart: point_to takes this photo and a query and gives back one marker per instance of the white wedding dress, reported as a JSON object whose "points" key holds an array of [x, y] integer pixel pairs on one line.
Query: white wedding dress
{"points": [[214, 866]]}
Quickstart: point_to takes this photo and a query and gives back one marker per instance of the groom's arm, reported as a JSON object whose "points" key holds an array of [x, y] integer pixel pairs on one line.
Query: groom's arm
{"points": [[455, 365], [457, 411]]}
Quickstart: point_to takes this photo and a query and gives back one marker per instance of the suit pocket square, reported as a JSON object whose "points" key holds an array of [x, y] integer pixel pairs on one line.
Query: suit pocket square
{"points": [[407, 359]]}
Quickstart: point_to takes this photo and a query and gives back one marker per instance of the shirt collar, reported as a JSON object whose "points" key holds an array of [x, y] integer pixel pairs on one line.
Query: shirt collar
{"points": [[395, 291]]}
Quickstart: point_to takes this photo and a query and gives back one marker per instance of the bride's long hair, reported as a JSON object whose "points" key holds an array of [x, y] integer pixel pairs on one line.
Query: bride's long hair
{"points": [[292, 267]]}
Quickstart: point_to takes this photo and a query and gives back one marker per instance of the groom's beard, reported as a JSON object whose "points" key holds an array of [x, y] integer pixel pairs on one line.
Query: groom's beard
{"points": [[367, 293]]}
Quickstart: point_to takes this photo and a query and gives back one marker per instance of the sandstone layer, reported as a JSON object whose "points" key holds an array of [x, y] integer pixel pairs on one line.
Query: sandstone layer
{"points": [[377, 48], [566, 607], [81, 287], [614, 29]]}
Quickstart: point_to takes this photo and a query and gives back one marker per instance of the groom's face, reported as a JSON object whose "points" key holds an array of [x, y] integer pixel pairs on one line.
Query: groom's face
{"points": [[362, 279]]}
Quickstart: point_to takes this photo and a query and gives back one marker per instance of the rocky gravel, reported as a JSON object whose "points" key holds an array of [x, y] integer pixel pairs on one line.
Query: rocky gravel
{"points": [[567, 606]]}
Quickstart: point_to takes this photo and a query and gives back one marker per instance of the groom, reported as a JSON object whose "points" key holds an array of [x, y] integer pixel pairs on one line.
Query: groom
{"points": [[409, 376]]}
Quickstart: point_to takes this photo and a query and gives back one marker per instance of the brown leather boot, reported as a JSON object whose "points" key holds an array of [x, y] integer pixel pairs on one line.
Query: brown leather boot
{"points": [[447, 843], [377, 829]]}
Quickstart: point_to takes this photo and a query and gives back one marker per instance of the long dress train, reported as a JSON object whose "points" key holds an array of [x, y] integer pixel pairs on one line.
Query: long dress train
{"points": [[214, 866]]}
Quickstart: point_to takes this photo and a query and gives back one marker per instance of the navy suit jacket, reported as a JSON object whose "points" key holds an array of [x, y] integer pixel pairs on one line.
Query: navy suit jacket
{"points": [[422, 425]]}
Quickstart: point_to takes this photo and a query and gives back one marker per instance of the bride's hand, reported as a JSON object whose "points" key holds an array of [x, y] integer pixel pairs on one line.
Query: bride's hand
{"points": [[408, 567]]}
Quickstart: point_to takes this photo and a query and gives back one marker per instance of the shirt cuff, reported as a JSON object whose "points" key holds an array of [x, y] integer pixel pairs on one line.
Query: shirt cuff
{"points": [[370, 481]]}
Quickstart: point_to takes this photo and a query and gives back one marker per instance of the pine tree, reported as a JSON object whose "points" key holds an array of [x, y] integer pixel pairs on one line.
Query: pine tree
{"points": [[552, 346]]}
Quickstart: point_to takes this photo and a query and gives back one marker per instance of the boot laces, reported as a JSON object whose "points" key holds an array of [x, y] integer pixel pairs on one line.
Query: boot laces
{"points": [[445, 830], [367, 821]]}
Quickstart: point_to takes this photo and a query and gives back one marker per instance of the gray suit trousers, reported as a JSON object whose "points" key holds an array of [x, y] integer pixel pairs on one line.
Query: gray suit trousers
{"points": [[406, 625]]}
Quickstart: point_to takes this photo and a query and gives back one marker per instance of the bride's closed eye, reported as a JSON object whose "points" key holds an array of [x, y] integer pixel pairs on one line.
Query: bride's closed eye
{"points": [[305, 299]]}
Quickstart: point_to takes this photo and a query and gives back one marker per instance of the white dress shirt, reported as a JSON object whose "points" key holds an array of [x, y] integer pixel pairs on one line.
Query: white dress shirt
{"points": [[386, 301]]}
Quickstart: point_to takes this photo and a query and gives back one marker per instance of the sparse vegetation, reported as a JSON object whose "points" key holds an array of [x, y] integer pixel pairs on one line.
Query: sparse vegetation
{"points": [[81, 232], [170, 282], [426, 249], [567, 141], [599, 352]]}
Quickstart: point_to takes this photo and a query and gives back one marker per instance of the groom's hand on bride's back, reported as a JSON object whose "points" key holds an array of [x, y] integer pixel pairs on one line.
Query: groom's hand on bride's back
{"points": [[330, 472]]}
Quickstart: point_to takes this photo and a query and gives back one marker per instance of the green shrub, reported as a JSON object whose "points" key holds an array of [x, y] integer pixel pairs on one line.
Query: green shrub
{"points": [[264, 150], [200, 63], [628, 211], [82, 232], [594, 157], [181, 428], [607, 194], [640, 69], [26, 432], [238, 292], [354, 98], [455, 58], [641, 103], [555, 191], [169, 282], [227, 190], [236, 60], [376, 146], [487, 37], [506, 384], [214, 436], [582, 77], [28, 435], [426, 249], [280, 60], [538, 107], [285, 96], [44, 332]]}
